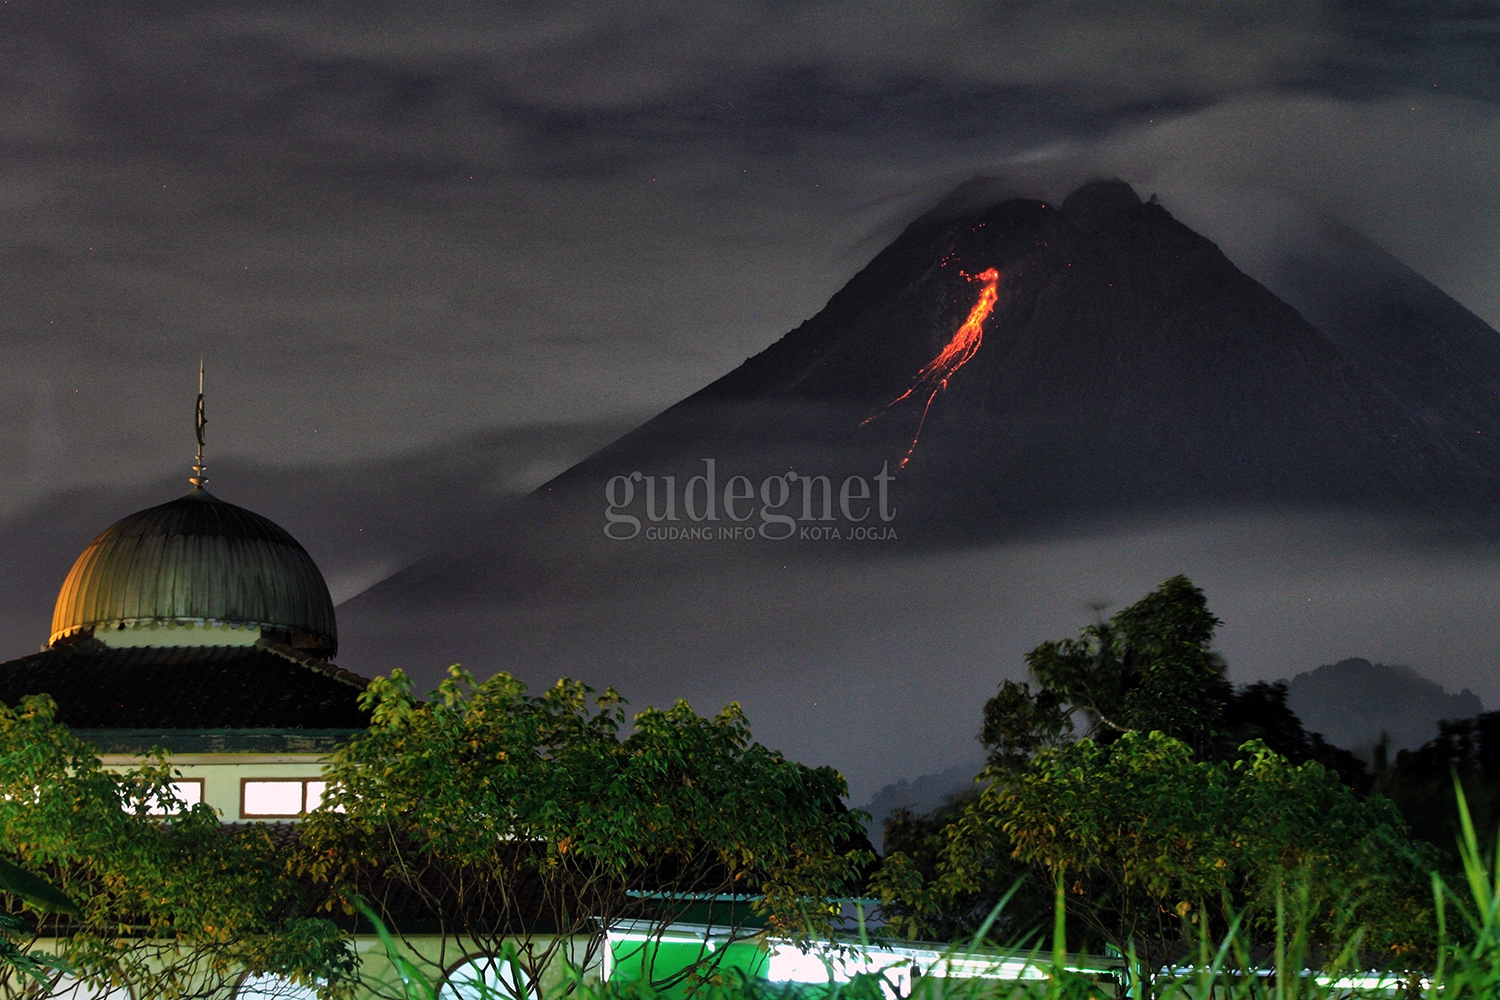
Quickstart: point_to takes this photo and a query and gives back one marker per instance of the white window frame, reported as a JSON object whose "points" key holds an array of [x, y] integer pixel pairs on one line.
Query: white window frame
{"points": [[304, 782]]}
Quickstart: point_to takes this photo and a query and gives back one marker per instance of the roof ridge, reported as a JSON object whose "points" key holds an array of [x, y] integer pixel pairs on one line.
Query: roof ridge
{"points": [[189, 688], [313, 663], [72, 646]]}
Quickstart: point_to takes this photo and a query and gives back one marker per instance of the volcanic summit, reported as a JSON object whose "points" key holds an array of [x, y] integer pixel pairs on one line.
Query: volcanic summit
{"points": [[1092, 397], [1020, 366]]}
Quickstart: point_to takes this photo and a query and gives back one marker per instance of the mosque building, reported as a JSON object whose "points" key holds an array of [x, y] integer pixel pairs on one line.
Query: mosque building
{"points": [[205, 629]]}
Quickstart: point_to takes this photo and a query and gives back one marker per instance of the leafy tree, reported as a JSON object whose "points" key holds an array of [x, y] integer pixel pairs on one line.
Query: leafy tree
{"points": [[1421, 782], [43, 897], [1259, 712], [1148, 669], [518, 821], [1134, 772], [175, 907], [922, 900], [1146, 834]]}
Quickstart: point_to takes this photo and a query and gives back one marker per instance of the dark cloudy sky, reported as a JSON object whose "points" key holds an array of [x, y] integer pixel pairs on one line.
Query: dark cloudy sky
{"points": [[461, 245]]}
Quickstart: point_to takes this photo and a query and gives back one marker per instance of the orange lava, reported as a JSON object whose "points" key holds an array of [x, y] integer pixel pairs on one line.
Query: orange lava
{"points": [[934, 376]]}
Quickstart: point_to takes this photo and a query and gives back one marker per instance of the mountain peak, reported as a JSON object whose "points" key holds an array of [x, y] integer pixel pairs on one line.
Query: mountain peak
{"points": [[1099, 202], [1022, 367]]}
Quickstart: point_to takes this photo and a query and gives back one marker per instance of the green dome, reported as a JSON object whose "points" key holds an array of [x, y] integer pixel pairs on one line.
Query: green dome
{"points": [[197, 561]]}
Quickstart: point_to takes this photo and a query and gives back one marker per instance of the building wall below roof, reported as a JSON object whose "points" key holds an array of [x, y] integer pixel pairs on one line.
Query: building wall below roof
{"points": [[223, 778]]}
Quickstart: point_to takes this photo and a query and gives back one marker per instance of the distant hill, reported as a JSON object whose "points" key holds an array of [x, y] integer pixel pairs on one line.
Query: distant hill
{"points": [[921, 795], [1352, 701]]}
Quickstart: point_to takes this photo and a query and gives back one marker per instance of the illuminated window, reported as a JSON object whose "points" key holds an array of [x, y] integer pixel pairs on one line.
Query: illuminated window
{"points": [[487, 978], [187, 791], [280, 798], [271, 987]]}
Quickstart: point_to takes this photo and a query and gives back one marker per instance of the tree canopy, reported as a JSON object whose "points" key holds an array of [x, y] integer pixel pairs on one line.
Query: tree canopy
{"points": [[175, 905], [1149, 668], [1144, 833], [1158, 796], [515, 820]]}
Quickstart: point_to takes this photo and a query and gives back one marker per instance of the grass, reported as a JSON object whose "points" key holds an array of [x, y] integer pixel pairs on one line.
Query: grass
{"points": [[1467, 966]]}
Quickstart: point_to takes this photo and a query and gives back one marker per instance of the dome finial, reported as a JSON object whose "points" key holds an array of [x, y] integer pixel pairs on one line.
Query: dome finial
{"points": [[200, 422]]}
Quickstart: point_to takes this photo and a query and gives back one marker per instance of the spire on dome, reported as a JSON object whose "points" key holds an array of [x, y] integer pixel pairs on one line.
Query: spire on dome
{"points": [[200, 421]]}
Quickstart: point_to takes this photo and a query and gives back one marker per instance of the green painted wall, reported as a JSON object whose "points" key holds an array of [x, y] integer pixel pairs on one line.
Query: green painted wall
{"points": [[639, 960]]}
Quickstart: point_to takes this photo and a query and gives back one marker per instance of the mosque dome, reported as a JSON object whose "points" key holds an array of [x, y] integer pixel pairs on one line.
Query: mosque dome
{"points": [[196, 571]]}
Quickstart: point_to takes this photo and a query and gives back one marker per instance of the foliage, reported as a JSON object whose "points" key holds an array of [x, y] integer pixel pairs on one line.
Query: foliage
{"points": [[919, 903], [16, 959], [176, 907], [1165, 800], [1222, 968], [32, 888], [515, 819], [1469, 966], [1148, 669], [1421, 783], [1259, 712], [1150, 839], [1145, 834]]}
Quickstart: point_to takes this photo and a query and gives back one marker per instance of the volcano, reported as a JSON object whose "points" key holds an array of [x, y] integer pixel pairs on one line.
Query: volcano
{"points": [[1115, 363], [1064, 405]]}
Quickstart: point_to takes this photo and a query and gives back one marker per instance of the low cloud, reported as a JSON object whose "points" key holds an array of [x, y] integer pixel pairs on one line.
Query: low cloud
{"points": [[879, 664], [360, 521]]}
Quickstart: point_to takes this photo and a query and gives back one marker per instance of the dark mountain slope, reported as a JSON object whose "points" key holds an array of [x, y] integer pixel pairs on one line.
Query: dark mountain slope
{"points": [[1127, 368], [1437, 357]]}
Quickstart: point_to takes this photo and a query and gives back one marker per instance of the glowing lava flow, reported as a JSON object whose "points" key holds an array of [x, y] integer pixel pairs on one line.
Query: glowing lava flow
{"points": [[963, 346]]}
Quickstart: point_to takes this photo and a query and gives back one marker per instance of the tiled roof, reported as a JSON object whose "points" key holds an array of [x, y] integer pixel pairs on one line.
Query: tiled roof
{"points": [[265, 686]]}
